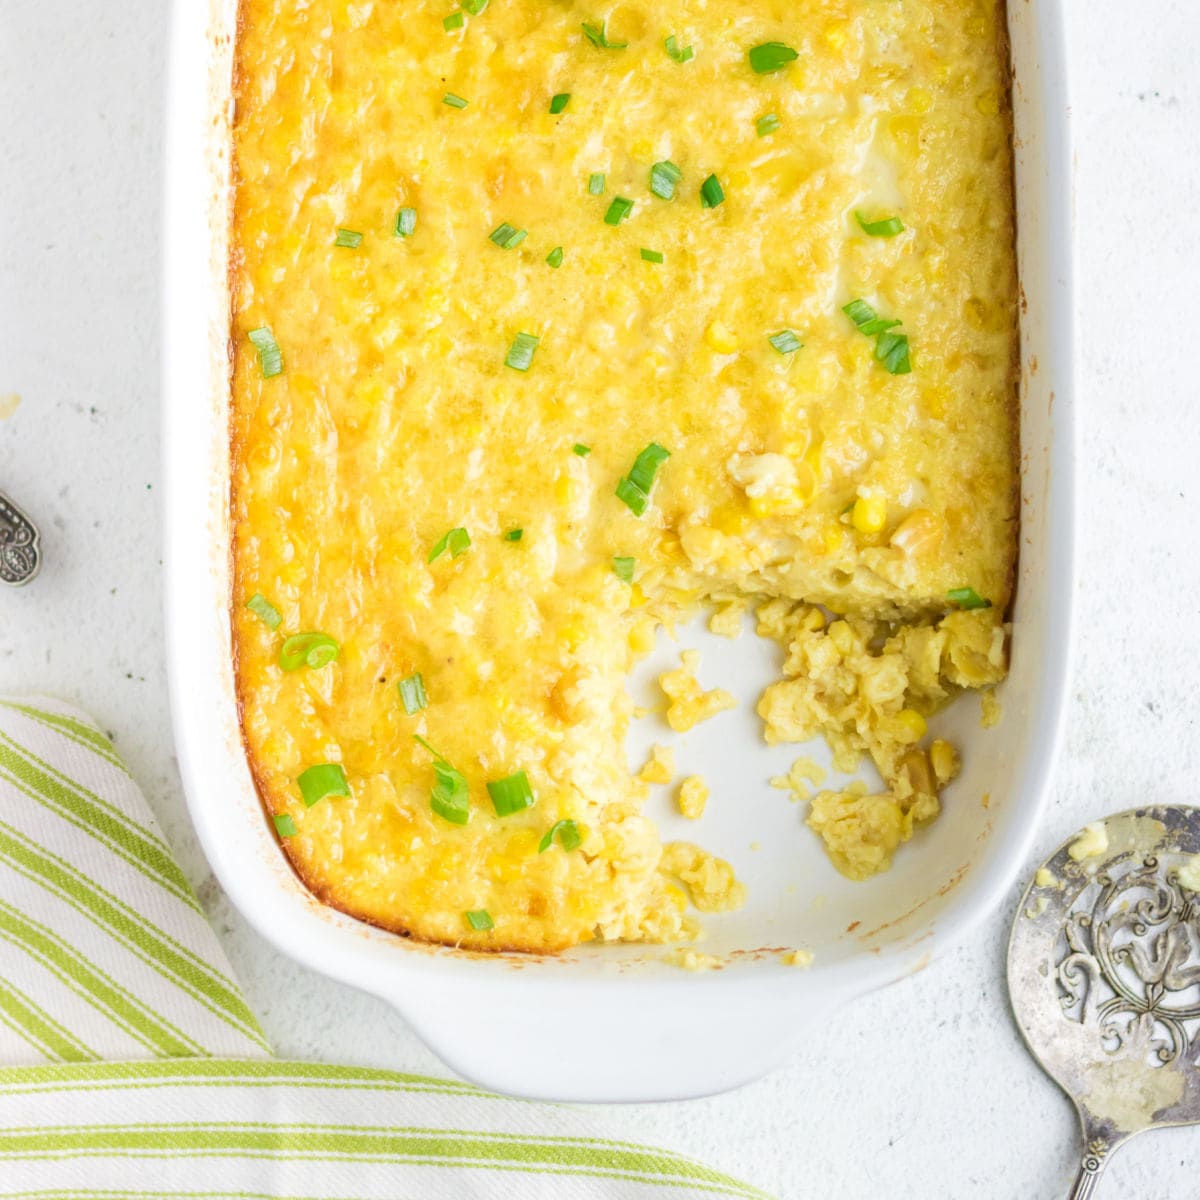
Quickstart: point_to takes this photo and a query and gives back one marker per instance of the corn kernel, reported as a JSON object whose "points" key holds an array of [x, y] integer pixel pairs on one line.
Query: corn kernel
{"points": [[909, 725], [919, 100], [721, 338], [918, 533], [842, 636], [870, 514], [988, 104], [522, 844], [834, 538], [944, 759]]}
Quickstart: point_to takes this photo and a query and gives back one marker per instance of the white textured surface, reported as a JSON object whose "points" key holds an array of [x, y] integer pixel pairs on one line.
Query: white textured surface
{"points": [[921, 1091]]}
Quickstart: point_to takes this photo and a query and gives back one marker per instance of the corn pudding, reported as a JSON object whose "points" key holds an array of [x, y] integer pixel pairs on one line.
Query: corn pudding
{"points": [[552, 324]]}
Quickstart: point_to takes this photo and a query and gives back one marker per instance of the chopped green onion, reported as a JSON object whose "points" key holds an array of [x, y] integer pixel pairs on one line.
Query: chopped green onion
{"points": [[449, 797], [582, 450], [767, 124], [559, 101], [598, 36], [313, 650], [623, 567], [406, 222], [480, 919], [771, 56], [520, 353], [555, 257], [270, 357], [967, 598], [514, 535], [474, 7], [654, 256], [507, 236], [284, 825], [566, 833], [869, 322], [349, 238], [412, 693], [888, 227], [325, 779], [891, 350], [456, 540], [680, 54], [663, 178], [265, 611], [618, 210], [453, 21], [711, 193], [596, 183], [634, 488], [511, 794], [454, 101], [785, 341]]}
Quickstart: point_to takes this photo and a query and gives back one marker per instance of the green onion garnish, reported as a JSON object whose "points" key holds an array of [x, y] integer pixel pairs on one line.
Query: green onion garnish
{"points": [[680, 54], [514, 535], [596, 183], [654, 256], [454, 101], [634, 488], [711, 193], [325, 779], [566, 833], [767, 124], [559, 101], [507, 236], [265, 611], [480, 919], [968, 598], [891, 350], [406, 222], [888, 227], [284, 825], [449, 797], [598, 36], [511, 794], [785, 341], [456, 540], [618, 210], [453, 21], [474, 7], [663, 178], [623, 567], [869, 322], [349, 238], [771, 56], [580, 449], [270, 357], [412, 693], [555, 257], [520, 353], [313, 650]]}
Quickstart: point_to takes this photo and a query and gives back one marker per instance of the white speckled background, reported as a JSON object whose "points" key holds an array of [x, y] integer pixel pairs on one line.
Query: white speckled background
{"points": [[921, 1091]]}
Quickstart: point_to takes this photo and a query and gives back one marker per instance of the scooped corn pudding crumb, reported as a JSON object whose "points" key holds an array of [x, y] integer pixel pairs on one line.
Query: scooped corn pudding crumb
{"points": [[552, 324]]}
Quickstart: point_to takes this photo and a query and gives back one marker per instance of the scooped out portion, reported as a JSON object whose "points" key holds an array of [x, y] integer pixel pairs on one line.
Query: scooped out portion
{"points": [[519, 379]]}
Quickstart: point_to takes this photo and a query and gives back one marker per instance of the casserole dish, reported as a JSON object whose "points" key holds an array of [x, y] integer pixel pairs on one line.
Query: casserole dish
{"points": [[649, 1026]]}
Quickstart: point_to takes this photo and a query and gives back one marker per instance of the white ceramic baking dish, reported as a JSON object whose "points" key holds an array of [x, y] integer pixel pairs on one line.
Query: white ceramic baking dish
{"points": [[618, 1023]]}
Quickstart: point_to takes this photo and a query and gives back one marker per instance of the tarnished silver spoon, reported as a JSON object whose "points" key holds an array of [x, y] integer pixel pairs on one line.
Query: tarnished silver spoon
{"points": [[1104, 977], [20, 554]]}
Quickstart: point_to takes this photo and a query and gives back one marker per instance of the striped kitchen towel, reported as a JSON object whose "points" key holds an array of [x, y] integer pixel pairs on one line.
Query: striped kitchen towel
{"points": [[131, 1065]]}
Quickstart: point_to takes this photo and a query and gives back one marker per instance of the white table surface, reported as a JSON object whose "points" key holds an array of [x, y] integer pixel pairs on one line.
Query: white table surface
{"points": [[923, 1090]]}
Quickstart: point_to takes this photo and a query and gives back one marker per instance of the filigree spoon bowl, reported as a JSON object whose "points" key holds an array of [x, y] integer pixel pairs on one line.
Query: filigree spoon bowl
{"points": [[20, 556], [1104, 977]]}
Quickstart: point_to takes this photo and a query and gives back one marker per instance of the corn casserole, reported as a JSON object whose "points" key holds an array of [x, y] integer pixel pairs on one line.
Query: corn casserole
{"points": [[553, 323]]}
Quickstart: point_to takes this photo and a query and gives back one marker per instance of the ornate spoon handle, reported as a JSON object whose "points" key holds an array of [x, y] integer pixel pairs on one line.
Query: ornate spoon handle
{"points": [[20, 556], [1098, 1148]]}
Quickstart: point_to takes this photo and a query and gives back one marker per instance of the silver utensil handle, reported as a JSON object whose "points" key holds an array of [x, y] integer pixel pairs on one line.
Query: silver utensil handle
{"points": [[1098, 1148], [20, 554]]}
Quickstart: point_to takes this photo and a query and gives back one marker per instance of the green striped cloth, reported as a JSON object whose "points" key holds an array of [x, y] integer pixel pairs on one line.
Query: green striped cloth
{"points": [[131, 1065]]}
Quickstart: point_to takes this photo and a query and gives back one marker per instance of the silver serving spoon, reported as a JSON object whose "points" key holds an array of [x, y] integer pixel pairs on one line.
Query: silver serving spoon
{"points": [[1104, 977], [20, 555]]}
